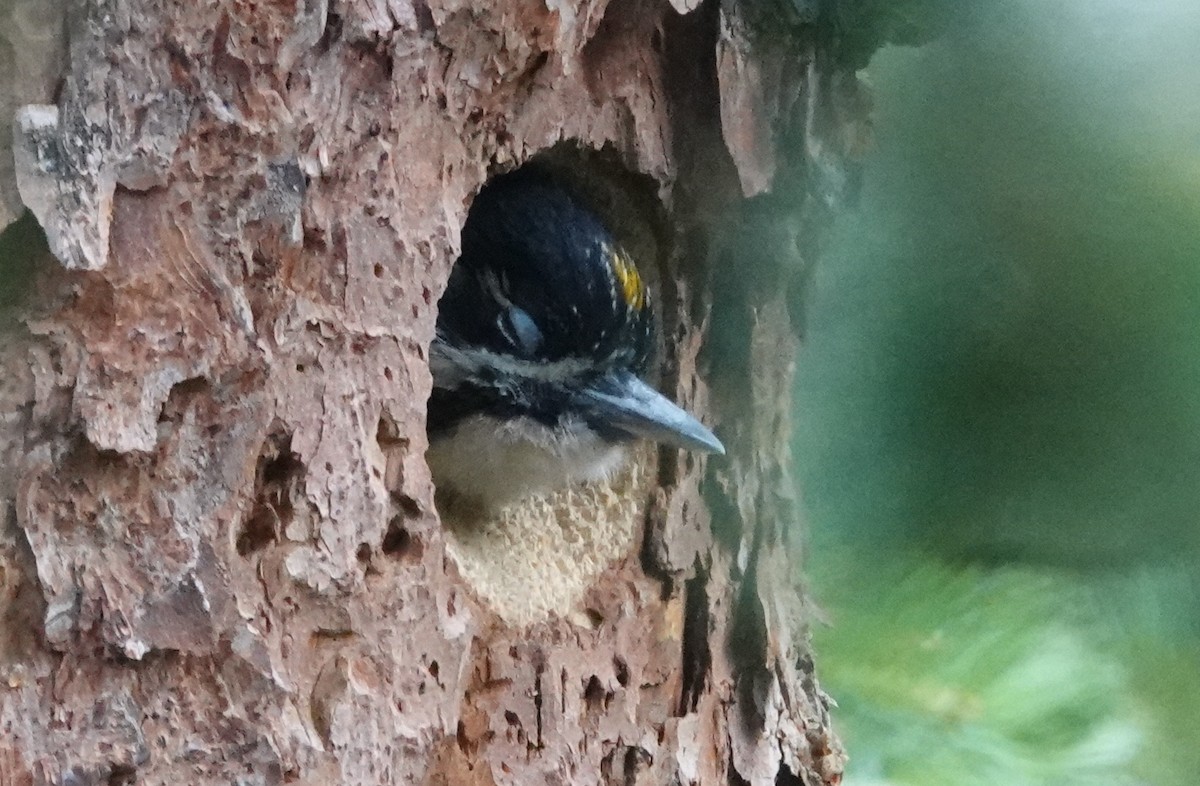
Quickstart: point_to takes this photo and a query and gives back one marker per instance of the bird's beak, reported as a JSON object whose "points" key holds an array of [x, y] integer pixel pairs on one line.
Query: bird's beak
{"points": [[623, 401]]}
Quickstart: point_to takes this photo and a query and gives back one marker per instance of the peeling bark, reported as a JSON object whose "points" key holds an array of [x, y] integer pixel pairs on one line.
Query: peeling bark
{"points": [[220, 559]]}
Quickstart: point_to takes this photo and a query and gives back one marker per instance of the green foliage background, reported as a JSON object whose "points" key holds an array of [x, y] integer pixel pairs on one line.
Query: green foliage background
{"points": [[1000, 405]]}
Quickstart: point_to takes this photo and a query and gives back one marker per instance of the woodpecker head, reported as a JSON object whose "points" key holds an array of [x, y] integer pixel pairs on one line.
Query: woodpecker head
{"points": [[542, 335]]}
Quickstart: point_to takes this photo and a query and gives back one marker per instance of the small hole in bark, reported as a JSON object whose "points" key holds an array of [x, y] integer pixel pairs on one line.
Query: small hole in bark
{"points": [[278, 473], [314, 239], [786, 777], [594, 694], [387, 374], [697, 657], [512, 719], [387, 432], [181, 395], [399, 543], [331, 33], [122, 775], [408, 506], [397, 540], [424, 16], [378, 270], [622, 670], [636, 761], [366, 557], [259, 531], [434, 669], [538, 63]]}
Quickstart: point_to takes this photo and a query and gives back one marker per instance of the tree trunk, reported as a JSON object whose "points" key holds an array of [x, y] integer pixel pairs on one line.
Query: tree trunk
{"points": [[221, 560]]}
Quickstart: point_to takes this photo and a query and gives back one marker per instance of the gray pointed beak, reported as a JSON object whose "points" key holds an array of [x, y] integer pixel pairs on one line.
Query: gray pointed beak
{"points": [[624, 402]]}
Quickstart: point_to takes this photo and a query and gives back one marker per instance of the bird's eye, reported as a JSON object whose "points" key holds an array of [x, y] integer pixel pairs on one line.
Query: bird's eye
{"points": [[519, 329]]}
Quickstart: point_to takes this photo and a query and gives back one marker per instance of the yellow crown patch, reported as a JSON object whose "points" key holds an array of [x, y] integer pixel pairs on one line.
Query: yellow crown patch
{"points": [[629, 283]]}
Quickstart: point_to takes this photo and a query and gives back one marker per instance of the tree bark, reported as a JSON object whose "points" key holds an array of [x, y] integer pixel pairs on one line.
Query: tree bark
{"points": [[221, 561]]}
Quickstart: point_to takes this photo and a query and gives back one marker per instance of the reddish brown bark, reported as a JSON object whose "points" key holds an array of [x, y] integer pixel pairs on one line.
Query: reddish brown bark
{"points": [[222, 562]]}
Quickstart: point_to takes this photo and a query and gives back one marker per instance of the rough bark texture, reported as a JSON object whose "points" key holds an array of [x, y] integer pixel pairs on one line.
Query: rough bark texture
{"points": [[221, 561]]}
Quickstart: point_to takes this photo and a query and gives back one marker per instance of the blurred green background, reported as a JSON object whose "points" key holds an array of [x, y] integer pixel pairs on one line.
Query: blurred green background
{"points": [[999, 406]]}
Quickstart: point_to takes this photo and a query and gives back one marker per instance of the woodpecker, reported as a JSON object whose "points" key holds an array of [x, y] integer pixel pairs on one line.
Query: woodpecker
{"points": [[543, 335]]}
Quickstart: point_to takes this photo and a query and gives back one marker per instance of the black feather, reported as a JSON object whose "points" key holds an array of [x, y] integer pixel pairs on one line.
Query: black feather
{"points": [[535, 282]]}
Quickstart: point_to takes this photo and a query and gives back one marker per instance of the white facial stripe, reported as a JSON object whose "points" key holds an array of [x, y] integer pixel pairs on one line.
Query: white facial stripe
{"points": [[454, 365]]}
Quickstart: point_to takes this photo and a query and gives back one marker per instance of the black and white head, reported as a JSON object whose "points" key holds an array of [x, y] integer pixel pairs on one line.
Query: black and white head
{"points": [[543, 334]]}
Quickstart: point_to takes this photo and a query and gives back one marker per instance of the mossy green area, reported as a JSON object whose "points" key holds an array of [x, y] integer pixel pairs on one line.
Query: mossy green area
{"points": [[999, 425]]}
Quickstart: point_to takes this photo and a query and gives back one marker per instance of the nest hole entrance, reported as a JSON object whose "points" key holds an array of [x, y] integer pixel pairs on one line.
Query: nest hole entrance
{"points": [[278, 476], [537, 556]]}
